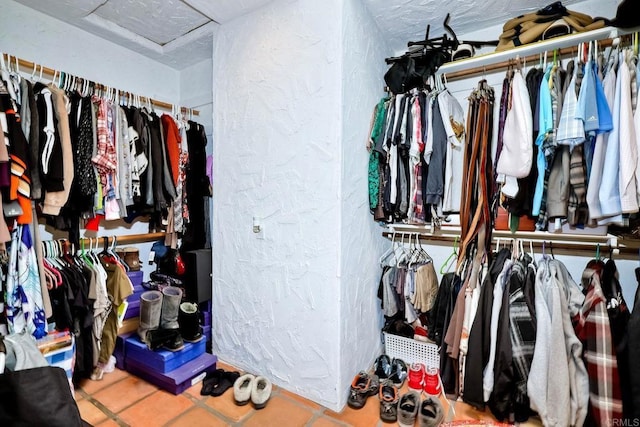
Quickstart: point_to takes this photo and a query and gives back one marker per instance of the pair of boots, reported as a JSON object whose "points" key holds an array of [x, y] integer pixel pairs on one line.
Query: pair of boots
{"points": [[159, 315]]}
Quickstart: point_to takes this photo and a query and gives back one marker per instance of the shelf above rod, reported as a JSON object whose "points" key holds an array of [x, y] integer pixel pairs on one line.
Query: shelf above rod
{"points": [[530, 52]]}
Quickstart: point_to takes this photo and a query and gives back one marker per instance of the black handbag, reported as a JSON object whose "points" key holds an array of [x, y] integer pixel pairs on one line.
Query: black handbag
{"points": [[37, 397]]}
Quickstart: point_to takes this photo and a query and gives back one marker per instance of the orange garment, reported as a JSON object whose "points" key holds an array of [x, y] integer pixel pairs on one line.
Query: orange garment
{"points": [[173, 141]]}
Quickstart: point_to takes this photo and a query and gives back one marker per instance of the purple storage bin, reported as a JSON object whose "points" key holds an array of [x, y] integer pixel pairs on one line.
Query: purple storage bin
{"points": [[206, 331], [133, 310], [205, 306], [179, 379], [206, 318], [119, 351], [161, 361], [136, 278]]}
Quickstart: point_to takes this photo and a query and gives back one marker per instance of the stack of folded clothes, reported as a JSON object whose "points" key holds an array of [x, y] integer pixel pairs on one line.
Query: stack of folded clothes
{"points": [[552, 21]]}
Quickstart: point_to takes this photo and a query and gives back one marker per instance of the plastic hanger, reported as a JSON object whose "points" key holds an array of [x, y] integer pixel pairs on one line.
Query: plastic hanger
{"points": [[452, 257]]}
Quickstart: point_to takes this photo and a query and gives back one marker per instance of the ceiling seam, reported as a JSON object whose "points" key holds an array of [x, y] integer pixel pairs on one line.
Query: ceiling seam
{"points": [[97, 7], [186, 3]]}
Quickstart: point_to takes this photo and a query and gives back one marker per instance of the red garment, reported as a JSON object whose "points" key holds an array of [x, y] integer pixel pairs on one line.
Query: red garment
{"points": [[593, 329], [173, 141]]}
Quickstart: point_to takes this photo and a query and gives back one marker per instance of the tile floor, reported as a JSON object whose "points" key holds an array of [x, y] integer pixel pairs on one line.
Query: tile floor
{"points": [[122, 399]]}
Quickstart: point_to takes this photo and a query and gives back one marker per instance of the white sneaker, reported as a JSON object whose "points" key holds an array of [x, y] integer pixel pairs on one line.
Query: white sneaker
{"points": [[242, 389], [261, 392]]}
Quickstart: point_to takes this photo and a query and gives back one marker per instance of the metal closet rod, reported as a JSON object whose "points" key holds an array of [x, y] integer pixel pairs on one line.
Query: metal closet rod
{"points": [[52, 72], [560, 243], [494, 61]]}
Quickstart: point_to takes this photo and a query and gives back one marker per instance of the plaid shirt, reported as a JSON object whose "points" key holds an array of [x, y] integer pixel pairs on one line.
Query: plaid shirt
{"points": [[593, 329]]}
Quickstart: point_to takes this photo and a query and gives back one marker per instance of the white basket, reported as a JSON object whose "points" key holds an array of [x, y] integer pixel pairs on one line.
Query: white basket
{"points": [[411, 351]]}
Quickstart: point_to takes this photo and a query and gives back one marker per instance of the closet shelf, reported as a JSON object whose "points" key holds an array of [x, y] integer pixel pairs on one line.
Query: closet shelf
{"points": [[29, 66], [530, 52]]}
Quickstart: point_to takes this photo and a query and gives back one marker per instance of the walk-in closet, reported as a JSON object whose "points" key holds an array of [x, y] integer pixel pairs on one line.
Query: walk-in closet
{"points": [[303, 213]]}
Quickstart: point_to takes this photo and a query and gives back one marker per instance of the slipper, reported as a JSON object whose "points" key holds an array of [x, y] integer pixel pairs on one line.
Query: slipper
{"points": [[210, 381], [226, 382]]}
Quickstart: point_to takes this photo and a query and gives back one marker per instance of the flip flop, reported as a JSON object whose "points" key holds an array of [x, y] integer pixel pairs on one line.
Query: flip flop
{"points": [[210, 381], [226, 382]]}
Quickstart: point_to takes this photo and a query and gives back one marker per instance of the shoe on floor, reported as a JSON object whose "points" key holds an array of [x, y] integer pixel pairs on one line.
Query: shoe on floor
{"points": [[227, 380], [416, 376], [242, 389], [362, 386], [408, 407], [431, 412], [398, 372], [260, 392], [388, 402], [210, 380], [382, 366]]}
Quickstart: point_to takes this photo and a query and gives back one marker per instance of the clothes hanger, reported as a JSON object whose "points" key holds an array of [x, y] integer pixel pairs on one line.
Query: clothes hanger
{"points": [[389, 251], [452, 257]]}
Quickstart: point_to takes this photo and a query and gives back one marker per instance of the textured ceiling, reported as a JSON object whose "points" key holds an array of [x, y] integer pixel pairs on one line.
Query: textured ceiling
{"points": [[142, 18], [180, 33]]}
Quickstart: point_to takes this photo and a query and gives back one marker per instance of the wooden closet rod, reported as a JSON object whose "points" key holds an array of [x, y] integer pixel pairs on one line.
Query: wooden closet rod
{"points": [[533, 58], [127, 239], [28, 65]]}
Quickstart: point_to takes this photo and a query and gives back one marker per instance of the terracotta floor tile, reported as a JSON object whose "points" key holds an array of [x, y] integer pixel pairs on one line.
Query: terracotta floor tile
{"points": [[279, 412], [198, 417], [90, 412], [369, 415], [91, 387], [328, 422], [194, 391], [108, 423], [124, 393], [155, 410], [227, 406], [300, 399]]}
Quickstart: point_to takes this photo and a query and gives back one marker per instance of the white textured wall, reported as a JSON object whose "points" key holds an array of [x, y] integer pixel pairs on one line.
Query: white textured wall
{"points": [[276, 300], [34, 36], [363, 67]]}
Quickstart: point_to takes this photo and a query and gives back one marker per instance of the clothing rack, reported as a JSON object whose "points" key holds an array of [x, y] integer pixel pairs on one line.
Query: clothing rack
{"points": [[559, 243], [38, 69], [530, 53]]}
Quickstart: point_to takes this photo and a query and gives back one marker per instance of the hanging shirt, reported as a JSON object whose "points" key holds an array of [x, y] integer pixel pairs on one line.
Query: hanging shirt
{"points": [[609, 187], [545, 126], [453, 120], [599, 152], [628, 144], [593, 329]]}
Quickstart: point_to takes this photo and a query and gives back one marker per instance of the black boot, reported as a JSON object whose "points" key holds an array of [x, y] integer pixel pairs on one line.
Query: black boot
{"points": [[189, 320], [167, 338]]}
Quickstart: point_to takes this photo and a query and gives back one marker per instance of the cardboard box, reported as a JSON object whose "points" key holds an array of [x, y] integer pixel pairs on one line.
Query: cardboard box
{"points": [[179, 379], [161, 361]]}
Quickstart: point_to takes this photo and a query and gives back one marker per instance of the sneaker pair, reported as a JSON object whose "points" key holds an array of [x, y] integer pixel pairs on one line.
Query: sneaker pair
{"points": [[429, 411], [256, 389], [424, 378], [362, 386], [392, 369]]}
